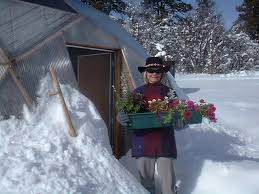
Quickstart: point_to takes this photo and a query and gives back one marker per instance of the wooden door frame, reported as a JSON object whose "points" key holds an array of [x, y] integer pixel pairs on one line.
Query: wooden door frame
{"points": [[118, 57]]}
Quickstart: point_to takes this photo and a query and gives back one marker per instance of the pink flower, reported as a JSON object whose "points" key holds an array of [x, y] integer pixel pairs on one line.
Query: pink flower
{"points": [[173, 103], [210, 110], [211, 107], [190, 105], [212, 115], [196, 108]]}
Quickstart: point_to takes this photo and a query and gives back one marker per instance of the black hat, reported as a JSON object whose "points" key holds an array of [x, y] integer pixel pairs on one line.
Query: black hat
{"points": [[155, 62]]}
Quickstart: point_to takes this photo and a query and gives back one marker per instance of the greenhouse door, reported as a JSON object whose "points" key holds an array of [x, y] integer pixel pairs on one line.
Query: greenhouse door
{"points": [[98, 71], [95, 81]]}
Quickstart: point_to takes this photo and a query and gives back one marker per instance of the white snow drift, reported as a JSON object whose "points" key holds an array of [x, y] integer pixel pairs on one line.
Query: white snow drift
{"points": [[38, 156]]}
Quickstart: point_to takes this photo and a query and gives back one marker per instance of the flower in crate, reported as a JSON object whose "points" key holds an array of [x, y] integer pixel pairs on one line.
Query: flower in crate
{"points": [[207, 110], [131, 103], [168, 111], [187, 110], [157, 105]]}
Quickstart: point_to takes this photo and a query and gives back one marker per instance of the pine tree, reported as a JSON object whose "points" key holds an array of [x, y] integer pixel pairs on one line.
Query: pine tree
{"points": [[198, 43], [200, 38], [249, 18], [149, 28], [242, 52], [165, 7], [107, 6]]}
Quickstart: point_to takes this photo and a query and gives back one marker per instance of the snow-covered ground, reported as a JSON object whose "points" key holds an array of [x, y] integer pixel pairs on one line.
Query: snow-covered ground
{"points": [[221, 158], [38, 156]]}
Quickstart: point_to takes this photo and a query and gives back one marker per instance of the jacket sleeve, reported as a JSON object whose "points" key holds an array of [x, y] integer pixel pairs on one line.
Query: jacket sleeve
{"points": [[138, 90]]}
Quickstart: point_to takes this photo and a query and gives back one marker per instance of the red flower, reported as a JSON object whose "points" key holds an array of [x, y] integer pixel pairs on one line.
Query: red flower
{"points": [[213, 120], [186, 115]]}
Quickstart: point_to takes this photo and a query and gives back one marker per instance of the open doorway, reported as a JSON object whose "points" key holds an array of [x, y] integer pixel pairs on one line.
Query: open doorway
{"points": [[95, 73]]}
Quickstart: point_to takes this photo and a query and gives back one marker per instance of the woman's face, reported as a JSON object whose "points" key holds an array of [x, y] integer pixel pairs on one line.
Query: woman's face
{"points": [[154, 76]]}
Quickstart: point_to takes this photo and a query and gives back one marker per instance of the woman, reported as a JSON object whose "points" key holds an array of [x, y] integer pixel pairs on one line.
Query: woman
{"points": [[154, 146]]}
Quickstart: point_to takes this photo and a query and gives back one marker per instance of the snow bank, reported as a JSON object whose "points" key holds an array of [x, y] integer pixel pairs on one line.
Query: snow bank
{"points": [[228, 178], [241, 75], [222, 157], [38, 156]]}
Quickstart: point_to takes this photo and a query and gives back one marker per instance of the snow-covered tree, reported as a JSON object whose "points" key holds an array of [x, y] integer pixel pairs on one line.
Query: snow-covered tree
{"points": [[198, 42], [200, 39], [153, 27], [249, 18], [242, 53]]}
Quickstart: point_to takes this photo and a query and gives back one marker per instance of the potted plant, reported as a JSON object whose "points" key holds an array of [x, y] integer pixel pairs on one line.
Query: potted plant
{"points": [[163, 113]]}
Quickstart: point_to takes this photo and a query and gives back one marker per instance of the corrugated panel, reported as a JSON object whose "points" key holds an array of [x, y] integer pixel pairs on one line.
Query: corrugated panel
{"points": [[52, 54], [3, 60], [87, 33], [11, 101], [23, 25], [31, 69], [2, 71]]}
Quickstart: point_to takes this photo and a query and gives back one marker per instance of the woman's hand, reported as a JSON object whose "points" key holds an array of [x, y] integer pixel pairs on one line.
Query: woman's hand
{"points": [[179, 124], [123, 118]]}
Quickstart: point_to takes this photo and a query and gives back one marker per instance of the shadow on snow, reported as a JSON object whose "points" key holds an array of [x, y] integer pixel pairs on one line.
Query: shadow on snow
{"points": [[196, 146]]}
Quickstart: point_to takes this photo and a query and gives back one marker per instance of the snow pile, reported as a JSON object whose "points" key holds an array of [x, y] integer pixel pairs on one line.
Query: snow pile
{"points": [[38, 156]]}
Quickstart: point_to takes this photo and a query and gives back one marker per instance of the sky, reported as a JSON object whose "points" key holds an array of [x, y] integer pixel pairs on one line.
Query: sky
{"points": [[227, 8], [38, 156]]}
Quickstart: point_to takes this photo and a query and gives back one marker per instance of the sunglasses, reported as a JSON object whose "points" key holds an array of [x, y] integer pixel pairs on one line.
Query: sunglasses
{"points": [[157, 71]]}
